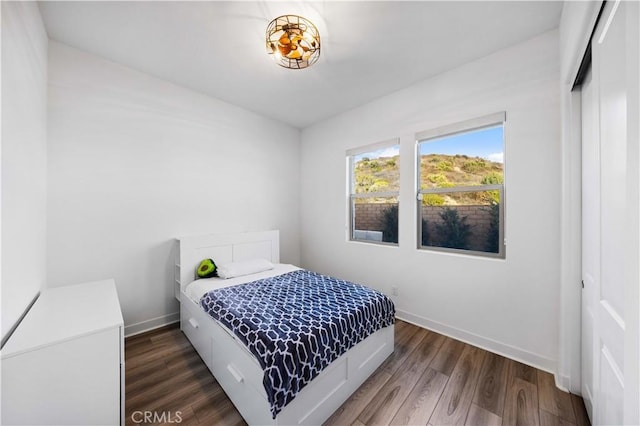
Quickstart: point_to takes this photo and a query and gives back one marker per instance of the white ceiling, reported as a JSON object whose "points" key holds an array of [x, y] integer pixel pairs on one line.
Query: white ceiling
{"points": [[369, 49]]}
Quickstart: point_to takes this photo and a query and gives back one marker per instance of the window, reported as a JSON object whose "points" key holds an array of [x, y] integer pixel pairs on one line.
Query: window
{"points": [[374, 183], [461, 187]]}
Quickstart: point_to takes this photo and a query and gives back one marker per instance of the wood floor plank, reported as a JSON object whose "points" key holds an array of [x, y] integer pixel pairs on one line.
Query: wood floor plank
{"points": [[192, 392], [448, 355], [478, 416], [183, 417], [351, 408], [217, 409], [142, 372], [151, 374], [521, 403], [548, 419], [404, 344], [403, 330], [174, 384], [137, 344], [143, 341], [144, 382], [456, 399], [154, 353], [386, 403], [420, 403], [157, 338], [401, 325], [492, 384], [524, 372], [182, 359], [579, 409], [429, 347], [165, 374], [553, 399]]}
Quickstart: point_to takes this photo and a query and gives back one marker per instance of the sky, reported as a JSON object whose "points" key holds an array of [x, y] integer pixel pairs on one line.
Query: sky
{"points": [[486, 143], [390, 151]]}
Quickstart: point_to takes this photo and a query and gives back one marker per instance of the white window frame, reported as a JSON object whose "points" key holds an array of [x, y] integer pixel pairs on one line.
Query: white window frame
{"points": [[351, 193], [491, 120]]}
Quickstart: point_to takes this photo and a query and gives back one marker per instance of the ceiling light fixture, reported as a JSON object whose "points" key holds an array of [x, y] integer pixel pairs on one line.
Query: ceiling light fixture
{"points": [[293, 41]]}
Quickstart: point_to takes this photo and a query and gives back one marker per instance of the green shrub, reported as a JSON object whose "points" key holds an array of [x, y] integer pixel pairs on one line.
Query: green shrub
{"points": [[378, 185], [445, 166], [437, 178], [432, 200], [390, 224], [363, 163], [474, 165], [453, 231], [439, 181], [492, 244], [494, 197], [363, 183], [492, 178], [425, 233], [367, 183]]}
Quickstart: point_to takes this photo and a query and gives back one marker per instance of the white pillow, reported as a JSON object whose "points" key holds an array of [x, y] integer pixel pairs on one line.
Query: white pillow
{"points": [[244, 267]]}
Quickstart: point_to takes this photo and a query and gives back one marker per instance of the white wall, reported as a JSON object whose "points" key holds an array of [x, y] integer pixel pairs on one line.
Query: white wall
{"points": [[24, 156], [508, 306], [135, 162]]}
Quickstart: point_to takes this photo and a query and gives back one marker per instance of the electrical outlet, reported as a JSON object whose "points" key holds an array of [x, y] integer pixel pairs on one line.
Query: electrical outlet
{"points": [[394, 291]]}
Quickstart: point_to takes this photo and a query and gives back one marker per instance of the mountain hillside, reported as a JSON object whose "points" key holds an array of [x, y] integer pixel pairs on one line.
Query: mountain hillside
{"points": [[437, 171]]}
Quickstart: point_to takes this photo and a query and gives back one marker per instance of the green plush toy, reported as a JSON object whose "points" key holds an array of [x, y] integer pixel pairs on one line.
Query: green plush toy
{"points": [[206, 269]]}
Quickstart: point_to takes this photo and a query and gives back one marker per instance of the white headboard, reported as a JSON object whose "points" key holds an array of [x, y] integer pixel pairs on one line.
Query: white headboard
{"points": [[222, 248]]}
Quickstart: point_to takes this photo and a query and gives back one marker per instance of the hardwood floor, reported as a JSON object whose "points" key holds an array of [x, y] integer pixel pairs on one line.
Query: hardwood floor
{"points": [[429, 379]]}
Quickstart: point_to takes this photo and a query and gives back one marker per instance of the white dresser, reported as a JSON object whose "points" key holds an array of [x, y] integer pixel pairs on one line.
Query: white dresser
{"points": [[64, 364]]}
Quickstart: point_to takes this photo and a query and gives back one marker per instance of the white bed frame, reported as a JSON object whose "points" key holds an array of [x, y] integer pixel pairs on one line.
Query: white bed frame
{"points": [[236, 369]]}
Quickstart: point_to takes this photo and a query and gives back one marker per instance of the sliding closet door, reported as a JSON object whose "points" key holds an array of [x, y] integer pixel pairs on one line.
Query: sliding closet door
{"points": [[590, 233], [604, 198]]}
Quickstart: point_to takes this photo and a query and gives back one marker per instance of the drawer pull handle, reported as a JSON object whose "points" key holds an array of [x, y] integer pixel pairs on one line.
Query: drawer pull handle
{"points": [[236, 375], [193, 323]]}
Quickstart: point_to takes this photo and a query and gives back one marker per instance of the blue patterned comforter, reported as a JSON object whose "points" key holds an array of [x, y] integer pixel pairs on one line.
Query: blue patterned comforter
{"points": [[297, 323]]}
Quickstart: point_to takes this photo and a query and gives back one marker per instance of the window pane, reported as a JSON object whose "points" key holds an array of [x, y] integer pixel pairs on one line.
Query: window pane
{"points": [[377, 171], [464, 159], [462, 220], [375, 219]]}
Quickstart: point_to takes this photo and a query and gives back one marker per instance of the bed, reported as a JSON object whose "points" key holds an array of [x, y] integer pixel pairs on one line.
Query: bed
{"points": [[235, 368]]}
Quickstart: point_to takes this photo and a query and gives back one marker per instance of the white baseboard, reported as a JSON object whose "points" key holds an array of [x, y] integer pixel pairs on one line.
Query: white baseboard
{"points": [[148, 325], [525, 357], [564, 383]]}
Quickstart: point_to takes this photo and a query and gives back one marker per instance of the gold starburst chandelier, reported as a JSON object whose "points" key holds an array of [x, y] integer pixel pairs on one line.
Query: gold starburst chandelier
{"points": [[293, 41]]}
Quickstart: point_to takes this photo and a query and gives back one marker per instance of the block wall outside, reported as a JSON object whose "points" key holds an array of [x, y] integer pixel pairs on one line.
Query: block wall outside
{"points": [[369, 216]]}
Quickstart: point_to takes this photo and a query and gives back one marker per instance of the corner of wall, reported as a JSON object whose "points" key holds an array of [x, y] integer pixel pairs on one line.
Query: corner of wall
{"points": [[24, 158]]}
